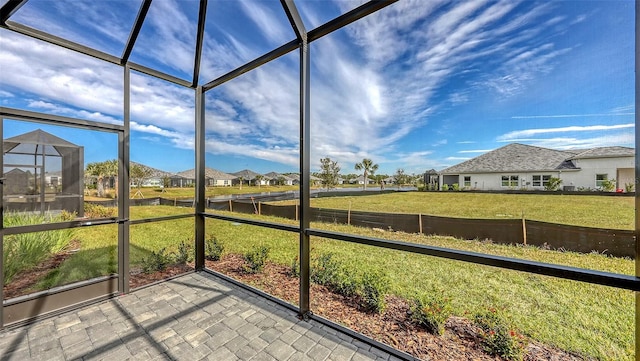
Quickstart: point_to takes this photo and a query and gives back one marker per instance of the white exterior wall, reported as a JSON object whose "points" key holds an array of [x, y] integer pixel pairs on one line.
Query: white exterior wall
{"points": [[493, 181], [621, 167], [586, 177]]}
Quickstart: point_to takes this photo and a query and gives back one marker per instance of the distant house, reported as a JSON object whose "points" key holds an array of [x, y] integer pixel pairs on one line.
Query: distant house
{"points": [[360, 180], [213, 178], [249, 177], [519, 166], [156, 177], [18, 182], [275, 178]]}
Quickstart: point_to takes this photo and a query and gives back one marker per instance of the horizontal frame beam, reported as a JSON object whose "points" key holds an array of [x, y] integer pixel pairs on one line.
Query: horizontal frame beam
{"points": [[348, 18], [57, 226], [30, 116], [631, 283], [274, 54], [279, 226], [161, 219], [158, 74], [55, 40]]}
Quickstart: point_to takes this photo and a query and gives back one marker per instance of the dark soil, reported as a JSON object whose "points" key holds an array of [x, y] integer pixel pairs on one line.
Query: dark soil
{"points": [[138, 278], [461, 340], [23, 283]]}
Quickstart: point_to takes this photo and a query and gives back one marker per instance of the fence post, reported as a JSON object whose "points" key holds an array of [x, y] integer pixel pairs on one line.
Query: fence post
{"points": [[297, 210], [230, 206], [259, 208], [349, 214], [524, 229], [420, 221]]}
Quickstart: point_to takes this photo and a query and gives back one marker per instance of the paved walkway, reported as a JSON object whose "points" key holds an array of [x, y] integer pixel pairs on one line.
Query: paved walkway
{"points": [[193, 317]]}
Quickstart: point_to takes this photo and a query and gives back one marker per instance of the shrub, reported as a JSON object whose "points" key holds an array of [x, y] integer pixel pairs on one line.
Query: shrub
{"points": [[553, 184], [156, 261], [431, 313], [497, 337], [97, 211], [629, 187], [295, 267], [370, 288], [213, 249], [183, 255], [26, 250], [608, 185], [374, 286], [327, 271], [255, 259], [445, 187], [455, 187]]}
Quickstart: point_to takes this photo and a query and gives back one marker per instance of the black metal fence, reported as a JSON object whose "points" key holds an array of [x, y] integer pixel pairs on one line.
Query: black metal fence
{"points": [[615, 242]]}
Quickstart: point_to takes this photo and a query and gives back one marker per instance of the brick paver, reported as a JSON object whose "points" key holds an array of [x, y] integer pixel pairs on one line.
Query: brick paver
{"points": [[193, 317]]}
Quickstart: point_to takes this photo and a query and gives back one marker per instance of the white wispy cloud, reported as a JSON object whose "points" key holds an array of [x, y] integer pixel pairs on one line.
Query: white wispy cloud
{"points": [[621, 111], [474, 151], [275, 31], [512, 136], [373, 83], [618, 139], [457, 158]]}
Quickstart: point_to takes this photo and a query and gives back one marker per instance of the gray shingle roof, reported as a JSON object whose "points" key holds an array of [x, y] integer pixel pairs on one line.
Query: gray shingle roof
{"points": [[209, 173], [155, 173], [246, 174], [515, 157], [605, 152]]}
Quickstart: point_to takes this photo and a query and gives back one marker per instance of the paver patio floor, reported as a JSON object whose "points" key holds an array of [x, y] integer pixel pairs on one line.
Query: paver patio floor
{"points": [[193, 317]]}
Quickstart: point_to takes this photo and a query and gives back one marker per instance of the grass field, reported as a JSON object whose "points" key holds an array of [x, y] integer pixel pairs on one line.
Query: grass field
{"points": [[189, 192], [580, 210], [594, 321]]}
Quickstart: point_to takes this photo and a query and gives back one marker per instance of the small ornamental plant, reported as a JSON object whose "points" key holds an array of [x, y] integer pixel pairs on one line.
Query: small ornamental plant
{"points": [[295, 267], [498, 338], [255, 259], [213, 249], [431, 313], [156, 261], [183, 255], [374, 288]]}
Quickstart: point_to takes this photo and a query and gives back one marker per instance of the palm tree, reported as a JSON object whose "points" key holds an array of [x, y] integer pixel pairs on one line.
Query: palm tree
{"points": [[369, 169], [258, 179]]}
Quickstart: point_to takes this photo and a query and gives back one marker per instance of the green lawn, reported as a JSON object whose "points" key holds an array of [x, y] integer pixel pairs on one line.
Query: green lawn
{"points": [[595, 321], [581, 210]]}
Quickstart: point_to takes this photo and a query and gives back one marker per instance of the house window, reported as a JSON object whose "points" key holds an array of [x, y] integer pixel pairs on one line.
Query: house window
{"points": [[600, 178], [467, 181], [541, 180], [509, 180]]}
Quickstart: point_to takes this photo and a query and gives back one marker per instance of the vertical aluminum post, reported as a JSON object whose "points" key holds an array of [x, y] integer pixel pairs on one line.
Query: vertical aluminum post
{"points": [[1, 224], [637, 174], [305, 178], [200, 181], [123, 188]]}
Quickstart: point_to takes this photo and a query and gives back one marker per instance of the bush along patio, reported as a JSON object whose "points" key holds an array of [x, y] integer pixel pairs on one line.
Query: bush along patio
{"points": [[424, 327]]}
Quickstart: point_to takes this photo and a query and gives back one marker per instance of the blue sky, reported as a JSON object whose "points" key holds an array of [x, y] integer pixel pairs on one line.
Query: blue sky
{"points": [[419, 85]]}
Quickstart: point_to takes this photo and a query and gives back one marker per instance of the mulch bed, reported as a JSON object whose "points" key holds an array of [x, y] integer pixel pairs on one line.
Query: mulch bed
{"points": [[23, 283], [461, 340]]}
